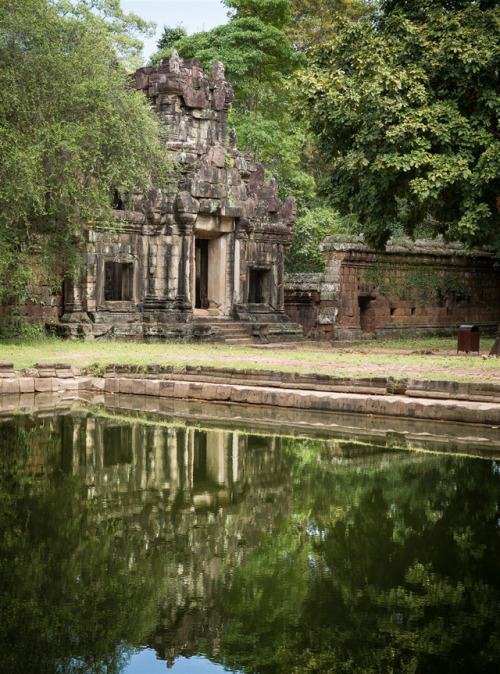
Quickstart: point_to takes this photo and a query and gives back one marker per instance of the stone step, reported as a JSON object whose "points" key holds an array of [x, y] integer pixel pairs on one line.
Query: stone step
{"points": [[234, 331], [230, 331], [231, 326]]}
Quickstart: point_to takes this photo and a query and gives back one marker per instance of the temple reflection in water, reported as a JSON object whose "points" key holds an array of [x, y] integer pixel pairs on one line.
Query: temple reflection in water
{"points": [[262, 553], [209, 495]]}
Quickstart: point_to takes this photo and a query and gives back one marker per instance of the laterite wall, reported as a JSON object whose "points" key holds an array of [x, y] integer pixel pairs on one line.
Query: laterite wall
{"points": [[411, 288]]}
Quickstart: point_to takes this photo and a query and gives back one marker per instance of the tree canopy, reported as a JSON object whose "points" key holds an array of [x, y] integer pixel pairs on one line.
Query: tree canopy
{"points": [[261, 47], [170, 36], [258, 58], [271, 12], [406, 112], [313, 22], [377, 570], [167, 40], [71, 127]]}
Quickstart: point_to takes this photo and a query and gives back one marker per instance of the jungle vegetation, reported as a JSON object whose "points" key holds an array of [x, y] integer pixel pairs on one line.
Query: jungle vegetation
{"points": [[71, 128], [378, 117]]}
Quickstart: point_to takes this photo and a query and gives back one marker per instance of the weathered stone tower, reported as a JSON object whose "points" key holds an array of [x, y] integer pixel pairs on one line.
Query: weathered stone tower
{"points": [[187, 261]]}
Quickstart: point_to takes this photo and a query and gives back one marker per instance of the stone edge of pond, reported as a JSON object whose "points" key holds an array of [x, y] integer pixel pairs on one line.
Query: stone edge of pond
{"points": [[384, 396], [414, 388]]}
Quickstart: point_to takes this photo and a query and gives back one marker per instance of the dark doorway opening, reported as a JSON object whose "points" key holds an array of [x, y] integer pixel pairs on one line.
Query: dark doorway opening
{"points": [[200, 457], [259, 443], [258, 286], [366, 313], [201, 263], [117, 445], [117, 281]]}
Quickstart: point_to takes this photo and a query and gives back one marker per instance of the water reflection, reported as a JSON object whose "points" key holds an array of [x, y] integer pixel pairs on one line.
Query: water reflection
{"points": [[261, 553]]}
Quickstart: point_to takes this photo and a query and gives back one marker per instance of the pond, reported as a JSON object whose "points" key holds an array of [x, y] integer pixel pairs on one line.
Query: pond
{"points": [[139, 543]]}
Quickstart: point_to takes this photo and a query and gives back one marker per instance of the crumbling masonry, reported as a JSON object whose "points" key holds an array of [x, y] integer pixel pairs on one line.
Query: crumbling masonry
{"points": [[413, 287], [187, 261]]}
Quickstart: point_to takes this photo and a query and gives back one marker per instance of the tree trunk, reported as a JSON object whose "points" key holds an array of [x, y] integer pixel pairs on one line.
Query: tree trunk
{"points": [[495, 349]]}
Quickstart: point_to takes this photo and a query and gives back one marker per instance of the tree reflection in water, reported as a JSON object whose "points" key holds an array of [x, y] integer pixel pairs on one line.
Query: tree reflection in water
{"points": [[265, 554]]}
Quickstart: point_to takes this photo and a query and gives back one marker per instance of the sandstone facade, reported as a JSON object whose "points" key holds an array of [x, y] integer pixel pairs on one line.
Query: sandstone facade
{"points": [[208, 249], [411, 287]]}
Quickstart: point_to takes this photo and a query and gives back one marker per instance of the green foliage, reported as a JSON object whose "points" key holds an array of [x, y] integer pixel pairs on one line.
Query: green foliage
{"points": [[311, 228], [271, 12], [338, 555], [77, 594], [170, 36], [71, 128], [260, 58], [396, 577], [283, 146], [316, 21], [166, 42], [255, 602], [406, 111], [426, 286], [20, 328], [257, 57]]}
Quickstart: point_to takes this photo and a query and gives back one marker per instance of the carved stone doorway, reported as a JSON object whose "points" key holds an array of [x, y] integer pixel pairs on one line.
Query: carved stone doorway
{"points": [[209, 280], [201, 267]]}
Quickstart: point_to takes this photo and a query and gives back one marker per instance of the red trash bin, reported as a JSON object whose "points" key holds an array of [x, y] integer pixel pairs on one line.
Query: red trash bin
{"points": [[468, 338]]}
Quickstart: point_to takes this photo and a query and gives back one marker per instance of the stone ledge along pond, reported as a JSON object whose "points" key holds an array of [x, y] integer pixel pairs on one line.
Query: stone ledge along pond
{"points": [[203, 538]]}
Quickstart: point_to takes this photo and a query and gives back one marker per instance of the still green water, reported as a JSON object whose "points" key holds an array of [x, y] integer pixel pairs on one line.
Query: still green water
{"points": [[130, 547]]}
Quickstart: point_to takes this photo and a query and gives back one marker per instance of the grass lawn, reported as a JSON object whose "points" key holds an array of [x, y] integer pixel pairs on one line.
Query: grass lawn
{"points": [[400, 358]]}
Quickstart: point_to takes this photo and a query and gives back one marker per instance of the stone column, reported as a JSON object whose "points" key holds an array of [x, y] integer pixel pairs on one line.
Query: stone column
{"points": [[73, 300], [183, 301], [235, 457], [280, 281], [240, 283], [173, 461], [93, 453], [186, 213], [236, 271], [156, 300]]}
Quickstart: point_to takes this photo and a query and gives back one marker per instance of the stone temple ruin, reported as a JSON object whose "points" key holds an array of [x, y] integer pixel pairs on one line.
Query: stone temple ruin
{"points": [[203, 259], [413, 287]]}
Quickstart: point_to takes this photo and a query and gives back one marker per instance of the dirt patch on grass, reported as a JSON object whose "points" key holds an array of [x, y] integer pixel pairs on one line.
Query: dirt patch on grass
{"points": [[384, 362]]}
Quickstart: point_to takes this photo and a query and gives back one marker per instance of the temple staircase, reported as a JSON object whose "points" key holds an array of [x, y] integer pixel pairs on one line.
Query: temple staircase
{"points": [[243, 333], [236, 333]]}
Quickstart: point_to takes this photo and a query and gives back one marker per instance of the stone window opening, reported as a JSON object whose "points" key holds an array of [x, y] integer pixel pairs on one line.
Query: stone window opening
{"points": [[393, 311], [117, 202], [258, 286], [118, 281]]}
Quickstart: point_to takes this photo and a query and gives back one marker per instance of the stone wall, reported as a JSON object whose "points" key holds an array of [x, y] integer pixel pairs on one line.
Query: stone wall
{"points": [[41, 303], [410, 288], [303, 301]]}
